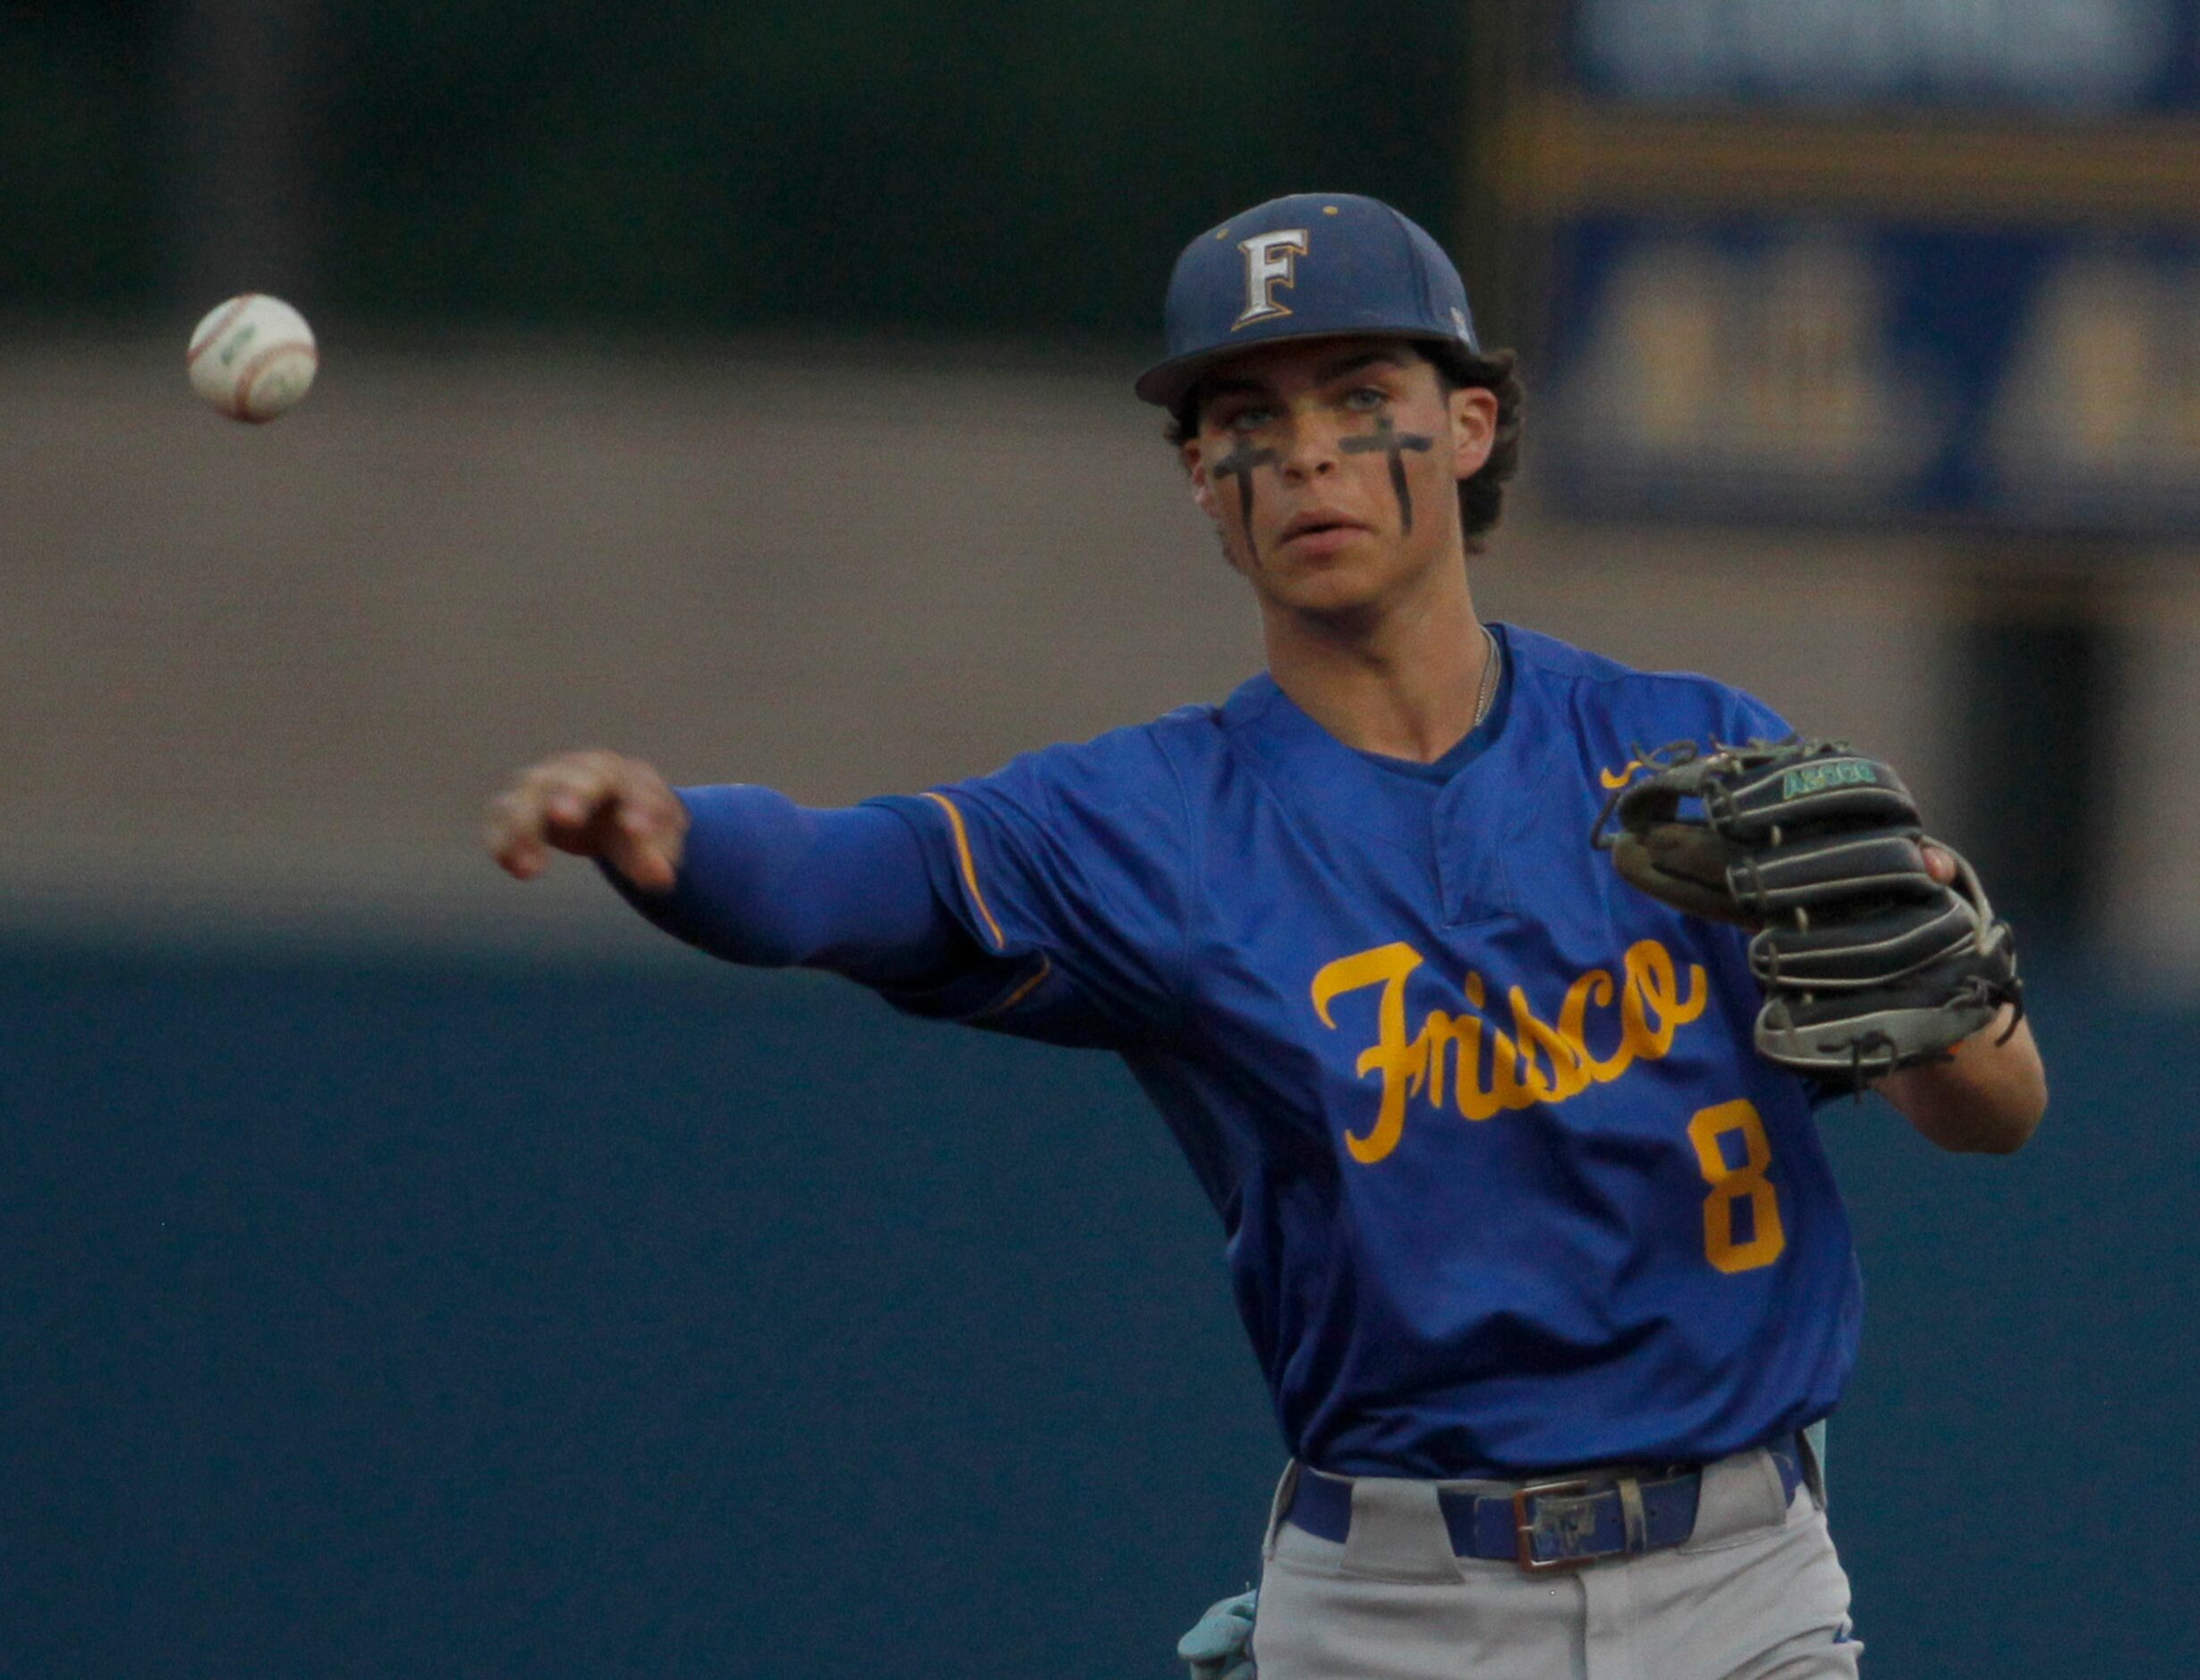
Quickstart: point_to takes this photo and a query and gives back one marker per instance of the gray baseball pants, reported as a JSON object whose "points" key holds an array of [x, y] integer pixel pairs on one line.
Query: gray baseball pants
{"points": [[1755, 1593]]}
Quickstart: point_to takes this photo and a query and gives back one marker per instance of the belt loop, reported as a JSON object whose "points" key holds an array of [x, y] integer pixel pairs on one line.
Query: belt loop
{"points": [[1399, 1532], [1634, 1520], [1737, 1494]]}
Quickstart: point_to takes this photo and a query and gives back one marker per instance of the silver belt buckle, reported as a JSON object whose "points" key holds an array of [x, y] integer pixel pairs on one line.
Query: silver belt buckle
{"points": [[1525, 1527]]}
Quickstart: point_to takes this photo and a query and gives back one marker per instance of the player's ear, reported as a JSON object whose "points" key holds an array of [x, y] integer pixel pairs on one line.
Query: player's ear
{"points": [[1203, 488], [1474, 429]]}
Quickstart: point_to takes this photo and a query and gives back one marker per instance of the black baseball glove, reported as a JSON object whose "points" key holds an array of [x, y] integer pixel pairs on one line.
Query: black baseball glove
{"points": [[1868, 963]]}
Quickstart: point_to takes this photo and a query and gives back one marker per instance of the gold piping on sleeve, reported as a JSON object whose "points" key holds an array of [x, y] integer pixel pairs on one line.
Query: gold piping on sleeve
{"points": [[970, 870], [1045, 967]]}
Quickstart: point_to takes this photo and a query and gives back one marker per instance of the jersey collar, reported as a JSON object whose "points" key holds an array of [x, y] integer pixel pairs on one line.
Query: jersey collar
{"points": [[1295, 749]]}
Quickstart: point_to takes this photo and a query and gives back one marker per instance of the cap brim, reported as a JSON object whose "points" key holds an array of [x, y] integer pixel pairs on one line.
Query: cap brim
{"points": [[1167, 383]]}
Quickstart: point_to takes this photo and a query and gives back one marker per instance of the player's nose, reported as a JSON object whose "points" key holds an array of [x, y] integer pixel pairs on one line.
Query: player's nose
{"points": [[1309, 448]]}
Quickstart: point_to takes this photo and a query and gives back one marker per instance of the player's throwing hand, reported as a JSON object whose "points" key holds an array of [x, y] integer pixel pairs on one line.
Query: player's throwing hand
{"points": [[594, 804]]}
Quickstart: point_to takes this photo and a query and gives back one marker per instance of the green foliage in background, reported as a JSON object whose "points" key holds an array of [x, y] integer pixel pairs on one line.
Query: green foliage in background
{"points": [[844, 164]]}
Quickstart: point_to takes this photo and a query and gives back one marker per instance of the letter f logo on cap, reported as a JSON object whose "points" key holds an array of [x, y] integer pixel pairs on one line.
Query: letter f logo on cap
{"points": [[1270, 261]]}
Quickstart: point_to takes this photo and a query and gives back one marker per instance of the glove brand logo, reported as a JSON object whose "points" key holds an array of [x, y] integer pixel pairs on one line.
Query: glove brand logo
{"points": [[1537, 1061], [1271, 260], [1815, 779]]}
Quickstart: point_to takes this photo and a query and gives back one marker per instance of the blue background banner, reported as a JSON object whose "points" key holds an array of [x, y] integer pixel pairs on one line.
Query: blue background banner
{"points": [[1744, 367], [437, 1315], [1871, 262]]}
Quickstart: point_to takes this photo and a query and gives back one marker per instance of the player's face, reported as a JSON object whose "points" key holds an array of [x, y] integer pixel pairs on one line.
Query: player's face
{"points": [[1331, 470]]}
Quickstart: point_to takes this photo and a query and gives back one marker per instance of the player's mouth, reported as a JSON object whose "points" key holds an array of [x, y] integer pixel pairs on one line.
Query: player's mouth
{"points": [[1319, 531]]}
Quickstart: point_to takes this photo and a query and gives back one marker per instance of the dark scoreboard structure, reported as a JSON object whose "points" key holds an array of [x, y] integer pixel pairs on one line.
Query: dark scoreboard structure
{"points": [[1916, 262]]}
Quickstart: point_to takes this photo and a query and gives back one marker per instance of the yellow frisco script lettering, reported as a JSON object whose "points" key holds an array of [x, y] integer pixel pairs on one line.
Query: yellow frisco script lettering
{"points": [[1537, 1061]]}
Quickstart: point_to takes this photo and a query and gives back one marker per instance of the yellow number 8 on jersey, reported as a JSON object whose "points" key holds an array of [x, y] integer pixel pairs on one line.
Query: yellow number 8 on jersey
{"points": [[1722, 1244]]}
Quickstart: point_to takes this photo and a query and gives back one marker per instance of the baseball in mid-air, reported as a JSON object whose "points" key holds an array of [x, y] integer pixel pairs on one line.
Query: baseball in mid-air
{"points": [[252, 358]]}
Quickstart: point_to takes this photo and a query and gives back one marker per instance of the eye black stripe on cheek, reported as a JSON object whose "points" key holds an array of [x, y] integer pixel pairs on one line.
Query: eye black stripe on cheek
{"points": [[1241, 460], [1394, 443]]}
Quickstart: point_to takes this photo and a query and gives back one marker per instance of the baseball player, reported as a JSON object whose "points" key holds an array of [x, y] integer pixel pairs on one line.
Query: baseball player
{"points": [[1541, 1258]]}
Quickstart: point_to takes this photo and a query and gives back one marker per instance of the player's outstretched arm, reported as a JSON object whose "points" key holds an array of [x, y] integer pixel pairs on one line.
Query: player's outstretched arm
{"points": [[594, 804], [742, 872]]}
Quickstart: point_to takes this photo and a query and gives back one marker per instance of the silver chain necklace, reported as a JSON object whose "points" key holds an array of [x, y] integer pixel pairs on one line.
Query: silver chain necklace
{"points": [[1487, 692]]}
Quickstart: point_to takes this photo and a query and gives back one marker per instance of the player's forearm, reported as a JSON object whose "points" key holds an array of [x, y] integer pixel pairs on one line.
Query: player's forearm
{"points": [[1988, 1099], [767, 882]]}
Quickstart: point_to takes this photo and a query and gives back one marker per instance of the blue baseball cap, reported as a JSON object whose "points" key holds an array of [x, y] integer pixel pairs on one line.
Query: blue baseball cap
{"points": [[1314, 265]]}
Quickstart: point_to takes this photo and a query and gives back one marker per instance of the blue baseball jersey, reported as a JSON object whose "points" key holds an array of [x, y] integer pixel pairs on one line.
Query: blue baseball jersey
{"points": [[1504, 1184]]}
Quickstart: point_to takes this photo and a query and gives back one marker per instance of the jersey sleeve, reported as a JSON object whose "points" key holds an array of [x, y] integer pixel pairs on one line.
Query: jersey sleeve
{"points": [[767, 883], [1069, 868]]}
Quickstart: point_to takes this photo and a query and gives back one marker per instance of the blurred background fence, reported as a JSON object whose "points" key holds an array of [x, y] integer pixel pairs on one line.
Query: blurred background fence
{"points": [[413, 1273]]}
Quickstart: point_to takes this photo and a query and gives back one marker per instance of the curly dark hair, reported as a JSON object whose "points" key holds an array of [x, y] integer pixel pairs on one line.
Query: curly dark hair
{"points": [[1482, 495]]}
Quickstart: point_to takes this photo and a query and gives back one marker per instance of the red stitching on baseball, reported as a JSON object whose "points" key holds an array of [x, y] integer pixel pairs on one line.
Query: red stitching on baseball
{"points": [[258, 365], [213, 335]]}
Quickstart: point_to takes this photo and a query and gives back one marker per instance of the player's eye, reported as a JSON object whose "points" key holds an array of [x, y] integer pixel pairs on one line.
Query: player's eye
{"points": [[1366, 399], [1251, 418]]}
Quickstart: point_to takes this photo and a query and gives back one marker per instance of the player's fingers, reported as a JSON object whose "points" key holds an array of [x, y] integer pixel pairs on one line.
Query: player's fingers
{"points": [[646, 806], [1939, 863], [595, 804], [649, 828], [523, 863], [653, 865], [512, 830], [550, 803], [650, 811], [570, 791], [587, 798]]}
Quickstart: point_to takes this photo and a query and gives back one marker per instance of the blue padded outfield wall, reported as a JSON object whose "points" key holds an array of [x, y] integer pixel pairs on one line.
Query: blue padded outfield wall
{"points": [[379, 1315]]}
